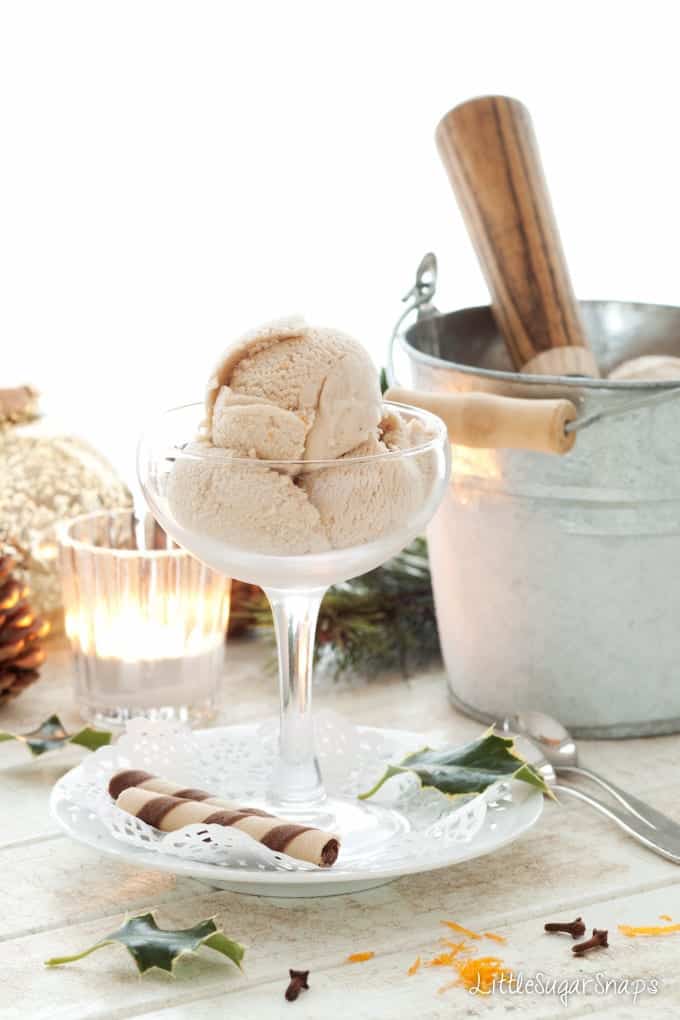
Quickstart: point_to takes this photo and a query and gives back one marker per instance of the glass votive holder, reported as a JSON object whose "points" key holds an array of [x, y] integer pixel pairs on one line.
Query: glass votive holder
{"points": [[146, 621]]}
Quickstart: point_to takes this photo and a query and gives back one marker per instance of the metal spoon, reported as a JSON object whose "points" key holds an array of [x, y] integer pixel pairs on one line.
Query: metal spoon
{"points": [[560, 751], [662, 841]]}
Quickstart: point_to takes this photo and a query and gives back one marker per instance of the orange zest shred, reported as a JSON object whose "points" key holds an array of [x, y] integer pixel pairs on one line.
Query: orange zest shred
{"points": [[665, 917], [443, 959], [359, 957], [652, 929], [461, 930], [458, 946], [479, 973]]}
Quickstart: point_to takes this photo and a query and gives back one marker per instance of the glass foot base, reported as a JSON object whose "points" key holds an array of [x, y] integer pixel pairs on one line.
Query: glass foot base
{"points": [[364, 829], [116, 716]]}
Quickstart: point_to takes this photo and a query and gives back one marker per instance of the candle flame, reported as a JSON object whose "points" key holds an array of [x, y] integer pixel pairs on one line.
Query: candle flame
{"points": [[166, 627]]}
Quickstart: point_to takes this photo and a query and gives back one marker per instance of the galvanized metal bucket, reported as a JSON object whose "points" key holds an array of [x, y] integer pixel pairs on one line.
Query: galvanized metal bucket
{"points": [[557, 579]]}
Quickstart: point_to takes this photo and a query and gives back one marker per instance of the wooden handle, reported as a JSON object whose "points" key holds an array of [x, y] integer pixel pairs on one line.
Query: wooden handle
{"points": [[490, 153], [488, 420]]}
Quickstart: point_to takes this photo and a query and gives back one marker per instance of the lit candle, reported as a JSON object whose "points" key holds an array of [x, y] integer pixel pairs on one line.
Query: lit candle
{"points": [[146, 625]]}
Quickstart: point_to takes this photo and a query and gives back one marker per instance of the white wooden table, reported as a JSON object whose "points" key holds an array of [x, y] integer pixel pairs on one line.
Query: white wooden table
{"points": [[57, 897]]}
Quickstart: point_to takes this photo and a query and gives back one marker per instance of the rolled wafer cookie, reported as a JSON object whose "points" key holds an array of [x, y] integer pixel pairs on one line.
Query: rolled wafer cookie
{"points": [[146, 781], [168, 812]]}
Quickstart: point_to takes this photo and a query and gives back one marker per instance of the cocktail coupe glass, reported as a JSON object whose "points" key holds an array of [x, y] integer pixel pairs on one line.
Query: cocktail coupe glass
{"points": [[399, 489]]}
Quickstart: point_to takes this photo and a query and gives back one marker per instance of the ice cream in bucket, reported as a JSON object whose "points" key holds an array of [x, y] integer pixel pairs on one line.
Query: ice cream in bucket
{"points": [[557, 579]]}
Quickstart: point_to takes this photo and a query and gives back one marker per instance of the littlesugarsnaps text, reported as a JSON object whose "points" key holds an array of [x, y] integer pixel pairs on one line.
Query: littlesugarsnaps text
{"points": [[563, 988]]}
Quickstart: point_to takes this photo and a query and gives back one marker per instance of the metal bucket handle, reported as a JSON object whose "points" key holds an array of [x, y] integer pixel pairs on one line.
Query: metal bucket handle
{"points": [[420, 300]]}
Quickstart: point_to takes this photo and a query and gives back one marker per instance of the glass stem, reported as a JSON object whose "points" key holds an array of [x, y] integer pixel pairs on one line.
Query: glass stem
{"points": [[296, 785]]}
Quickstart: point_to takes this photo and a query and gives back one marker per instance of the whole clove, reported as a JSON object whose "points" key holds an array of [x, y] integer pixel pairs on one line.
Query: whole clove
{"points": [[576, 929], [298, 981], [598, 940]]}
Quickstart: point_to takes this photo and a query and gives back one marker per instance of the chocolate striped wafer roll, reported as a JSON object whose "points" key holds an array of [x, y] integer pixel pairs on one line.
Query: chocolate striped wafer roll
{"points": [[169, 813], [146, 781]]}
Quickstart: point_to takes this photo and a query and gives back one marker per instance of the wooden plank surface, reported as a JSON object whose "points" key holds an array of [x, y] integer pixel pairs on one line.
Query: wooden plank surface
{"points": [[57, 897]]}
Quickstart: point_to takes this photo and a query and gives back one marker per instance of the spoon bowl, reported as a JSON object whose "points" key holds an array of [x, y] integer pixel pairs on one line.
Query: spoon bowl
{"points": [[556, 754], [558, 748], [554, 739]]}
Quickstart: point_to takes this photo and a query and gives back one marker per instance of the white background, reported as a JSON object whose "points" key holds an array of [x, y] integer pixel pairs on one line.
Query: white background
{"points": [[174, 172]]}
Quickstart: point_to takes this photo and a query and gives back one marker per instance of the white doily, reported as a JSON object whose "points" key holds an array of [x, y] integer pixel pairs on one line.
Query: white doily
{"points": [[236, 762]]}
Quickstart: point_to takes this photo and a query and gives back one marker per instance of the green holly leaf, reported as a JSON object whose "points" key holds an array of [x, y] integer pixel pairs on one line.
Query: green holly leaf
{"points": [[91, 739], [470, 769], [151, 946], [51, 736]]}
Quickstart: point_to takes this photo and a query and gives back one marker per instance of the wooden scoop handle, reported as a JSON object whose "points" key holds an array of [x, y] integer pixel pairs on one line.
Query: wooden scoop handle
{"points": [[488, 420], [490, 153]]}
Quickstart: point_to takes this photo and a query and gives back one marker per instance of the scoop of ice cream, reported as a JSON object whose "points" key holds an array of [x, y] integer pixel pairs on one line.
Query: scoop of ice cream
{"points": [[399, 434], [256, 339], [321, 377], [650, 366], [254, 428], [295, 394], [246, 505], [360, 500]]}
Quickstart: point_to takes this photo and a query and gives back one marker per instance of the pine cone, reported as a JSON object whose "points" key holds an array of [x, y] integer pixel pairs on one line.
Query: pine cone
{"points": [[21, 653]]}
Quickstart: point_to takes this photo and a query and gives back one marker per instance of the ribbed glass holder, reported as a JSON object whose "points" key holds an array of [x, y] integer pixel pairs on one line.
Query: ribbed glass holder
{"points": [[146, 621]]}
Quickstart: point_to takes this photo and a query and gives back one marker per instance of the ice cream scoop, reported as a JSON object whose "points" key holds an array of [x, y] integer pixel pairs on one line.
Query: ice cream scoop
{"points": [[246, 505], [490, 152], [319, 384], [382, 493]]}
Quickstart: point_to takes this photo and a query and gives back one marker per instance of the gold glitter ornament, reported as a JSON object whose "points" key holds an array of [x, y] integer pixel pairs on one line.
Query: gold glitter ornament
{"points": [[43, 480]]}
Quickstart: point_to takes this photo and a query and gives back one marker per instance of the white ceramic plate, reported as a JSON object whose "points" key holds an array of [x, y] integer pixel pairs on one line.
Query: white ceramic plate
{"points": [[351, 758]]}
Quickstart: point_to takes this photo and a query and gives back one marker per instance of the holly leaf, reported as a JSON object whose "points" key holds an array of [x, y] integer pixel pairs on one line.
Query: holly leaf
{"points": [[470, 769], [151, 946], [91, 739], [51, 736]]}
